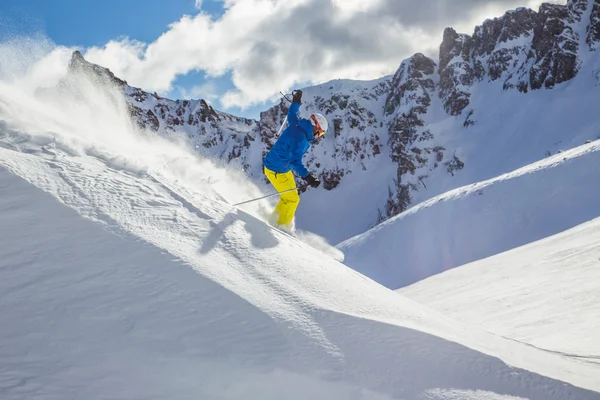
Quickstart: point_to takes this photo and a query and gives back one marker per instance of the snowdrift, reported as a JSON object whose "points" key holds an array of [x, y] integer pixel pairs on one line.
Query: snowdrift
{"points": [[480, 220], [546, 293]]}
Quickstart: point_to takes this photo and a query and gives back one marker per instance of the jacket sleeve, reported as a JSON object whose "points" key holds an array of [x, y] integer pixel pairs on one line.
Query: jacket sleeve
{"points": [[292, 116], [296, 162]]}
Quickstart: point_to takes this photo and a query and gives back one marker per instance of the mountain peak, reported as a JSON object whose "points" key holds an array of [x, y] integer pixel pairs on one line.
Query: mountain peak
{"points": [[79, 64]]}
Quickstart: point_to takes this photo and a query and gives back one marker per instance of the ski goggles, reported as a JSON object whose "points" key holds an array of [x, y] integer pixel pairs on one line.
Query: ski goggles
{"points": [[317, 130]]}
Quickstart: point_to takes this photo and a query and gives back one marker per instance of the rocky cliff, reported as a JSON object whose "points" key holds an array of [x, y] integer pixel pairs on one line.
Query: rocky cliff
{"points": [[523, 49]]}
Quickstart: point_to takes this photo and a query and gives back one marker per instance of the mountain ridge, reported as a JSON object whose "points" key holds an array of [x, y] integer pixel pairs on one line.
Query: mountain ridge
{"points": [[385, 126], [480, 220]]}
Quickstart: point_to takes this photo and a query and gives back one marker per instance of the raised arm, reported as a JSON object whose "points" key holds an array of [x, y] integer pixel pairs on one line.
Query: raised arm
{"points": [[292, 116]]}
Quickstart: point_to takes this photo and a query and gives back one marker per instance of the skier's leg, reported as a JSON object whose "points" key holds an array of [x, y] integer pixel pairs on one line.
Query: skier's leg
{"points": [[272, 177], [288, 202]]}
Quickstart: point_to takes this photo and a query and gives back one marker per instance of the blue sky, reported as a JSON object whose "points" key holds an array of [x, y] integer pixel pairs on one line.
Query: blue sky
{"points": [[240, 57], [87, 23], [90, 22]]}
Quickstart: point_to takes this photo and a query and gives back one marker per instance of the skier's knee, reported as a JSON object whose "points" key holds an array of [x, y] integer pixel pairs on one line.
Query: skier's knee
{"points": [[291, 198]]}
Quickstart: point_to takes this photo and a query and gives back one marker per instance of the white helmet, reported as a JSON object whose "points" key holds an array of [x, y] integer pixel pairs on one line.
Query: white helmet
{"points": [[319, 123]]}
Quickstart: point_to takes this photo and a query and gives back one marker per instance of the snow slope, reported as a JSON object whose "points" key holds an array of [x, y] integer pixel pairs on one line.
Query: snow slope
{"points": [[92, 314], [126, 274], [546, 294], [480, 220]]}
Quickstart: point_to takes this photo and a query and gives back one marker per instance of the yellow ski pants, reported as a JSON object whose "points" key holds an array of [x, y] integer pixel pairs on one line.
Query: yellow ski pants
{"points": [[288, 201]]}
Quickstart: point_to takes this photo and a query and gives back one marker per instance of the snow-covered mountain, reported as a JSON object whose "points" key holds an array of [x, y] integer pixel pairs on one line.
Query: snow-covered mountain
{"points": [[482, 219], [126, 273], [404, 138], [527, 171]]}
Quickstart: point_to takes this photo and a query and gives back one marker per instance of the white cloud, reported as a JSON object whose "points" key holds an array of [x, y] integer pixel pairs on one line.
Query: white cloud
{"points": [[198, 4], [273, 45], [355, 5], [207, 91]]}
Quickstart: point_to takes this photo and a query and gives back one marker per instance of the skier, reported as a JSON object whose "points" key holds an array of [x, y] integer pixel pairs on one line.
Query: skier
{"points": [[286, 155]]}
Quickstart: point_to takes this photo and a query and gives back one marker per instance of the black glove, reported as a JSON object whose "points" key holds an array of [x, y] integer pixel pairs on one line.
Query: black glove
{"points": [[312, 181], [297, 96]]}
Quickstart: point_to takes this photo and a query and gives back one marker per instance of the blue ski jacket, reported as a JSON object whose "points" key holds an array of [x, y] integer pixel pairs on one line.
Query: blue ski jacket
{"points": [[288, 150]]}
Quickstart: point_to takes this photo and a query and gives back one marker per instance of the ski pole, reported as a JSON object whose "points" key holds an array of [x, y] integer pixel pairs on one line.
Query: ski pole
{"points": [[285, 97], [269, 195], [284, 121]]}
